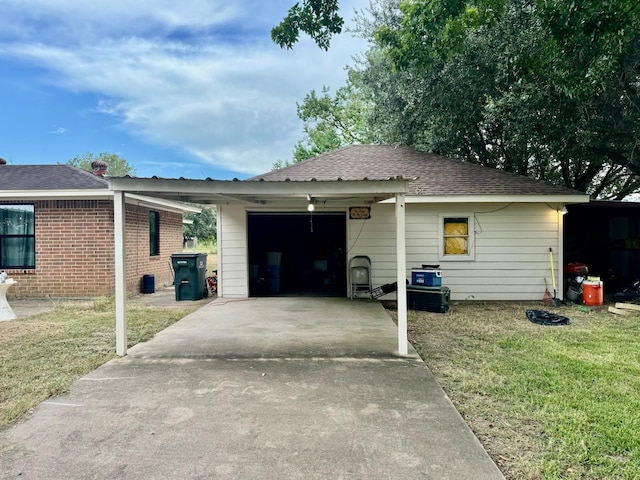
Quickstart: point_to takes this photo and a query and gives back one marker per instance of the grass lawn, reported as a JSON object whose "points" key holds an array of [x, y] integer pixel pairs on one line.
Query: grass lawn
{"points": [[547, 402], [41, 356]]}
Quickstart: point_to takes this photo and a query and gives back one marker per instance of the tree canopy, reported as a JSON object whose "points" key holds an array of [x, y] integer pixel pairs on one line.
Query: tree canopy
{"points": [[203, 227], [317, 18], [117, 166], [546, 88]]}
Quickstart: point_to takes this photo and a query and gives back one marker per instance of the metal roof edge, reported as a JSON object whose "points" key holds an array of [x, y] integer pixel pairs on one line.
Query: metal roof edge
{"points": [[566, 199]]}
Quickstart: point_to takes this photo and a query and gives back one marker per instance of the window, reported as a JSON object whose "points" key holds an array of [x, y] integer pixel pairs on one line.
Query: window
{"points": [[154, 233], [17, 236], [457, 237]]}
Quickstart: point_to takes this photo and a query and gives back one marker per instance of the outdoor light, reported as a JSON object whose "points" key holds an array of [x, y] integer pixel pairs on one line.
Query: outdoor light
{"points": [[563, 210], [312, 203]]}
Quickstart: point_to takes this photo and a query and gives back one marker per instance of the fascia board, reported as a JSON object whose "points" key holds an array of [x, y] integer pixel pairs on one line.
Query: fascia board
{"points": [[566, 199], [56, 195], [231, 187]]}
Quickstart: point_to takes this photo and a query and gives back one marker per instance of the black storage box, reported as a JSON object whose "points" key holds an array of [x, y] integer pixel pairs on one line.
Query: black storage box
{"points": [[430, 299]]}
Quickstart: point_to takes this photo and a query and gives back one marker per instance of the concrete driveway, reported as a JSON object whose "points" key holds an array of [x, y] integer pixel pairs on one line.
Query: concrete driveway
{"points": [[274, 388]]}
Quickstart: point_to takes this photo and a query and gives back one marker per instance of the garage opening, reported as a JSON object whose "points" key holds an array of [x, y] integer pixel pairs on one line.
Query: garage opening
{"points": [[297, 254]]}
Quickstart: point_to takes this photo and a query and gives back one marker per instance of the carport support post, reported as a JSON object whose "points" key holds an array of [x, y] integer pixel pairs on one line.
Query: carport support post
{"points": [[401, 260], [120, 272]]}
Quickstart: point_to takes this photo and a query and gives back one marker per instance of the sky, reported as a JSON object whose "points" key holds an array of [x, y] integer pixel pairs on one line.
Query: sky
{"points": [[190, 88]]}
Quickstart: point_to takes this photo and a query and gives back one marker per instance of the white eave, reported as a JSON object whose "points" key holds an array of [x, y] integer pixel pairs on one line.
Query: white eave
{"points": [[97, 194], [162, 204], [564, 199]]}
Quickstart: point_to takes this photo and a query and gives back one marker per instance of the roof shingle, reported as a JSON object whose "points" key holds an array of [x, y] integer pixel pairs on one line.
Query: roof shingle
{"points": [[48, 177], [434, 175]]}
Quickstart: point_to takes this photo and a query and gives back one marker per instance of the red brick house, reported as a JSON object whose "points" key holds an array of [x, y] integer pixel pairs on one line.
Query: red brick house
{"points": [[57, 233]]}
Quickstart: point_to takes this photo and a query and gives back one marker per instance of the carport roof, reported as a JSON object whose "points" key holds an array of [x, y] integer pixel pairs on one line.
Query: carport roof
{"points": [[267, 193]]}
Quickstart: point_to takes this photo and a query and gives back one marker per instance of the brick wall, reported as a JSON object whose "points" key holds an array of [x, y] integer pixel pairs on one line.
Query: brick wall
{"points": [[139, 262], [74, 250]]}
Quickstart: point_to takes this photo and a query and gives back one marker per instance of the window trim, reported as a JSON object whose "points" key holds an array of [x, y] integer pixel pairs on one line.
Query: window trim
{"points": [[471, 241], [154, 237], [31, 235]]}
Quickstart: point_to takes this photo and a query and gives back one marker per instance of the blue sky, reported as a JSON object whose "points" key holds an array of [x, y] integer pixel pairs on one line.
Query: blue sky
{"points": [[190, 89]]}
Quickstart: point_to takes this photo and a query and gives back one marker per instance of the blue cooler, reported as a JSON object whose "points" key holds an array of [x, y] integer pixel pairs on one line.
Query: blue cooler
{"points": [[428, 277]]}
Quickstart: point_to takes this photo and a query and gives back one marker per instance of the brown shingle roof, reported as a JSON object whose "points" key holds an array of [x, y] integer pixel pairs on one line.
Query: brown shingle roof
{"points": [[48, 177], [436, 175]]}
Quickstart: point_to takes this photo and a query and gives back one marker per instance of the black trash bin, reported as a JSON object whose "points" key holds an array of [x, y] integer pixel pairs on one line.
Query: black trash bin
{"points": [[190, 271], [148, 284]]}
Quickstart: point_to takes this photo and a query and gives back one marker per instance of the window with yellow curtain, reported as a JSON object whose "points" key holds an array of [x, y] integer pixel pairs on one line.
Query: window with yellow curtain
{"points": [[456, 235]]}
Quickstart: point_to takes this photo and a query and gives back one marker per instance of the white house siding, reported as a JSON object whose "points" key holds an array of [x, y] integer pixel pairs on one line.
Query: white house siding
{"points": [[512, 244], [232, 251]]}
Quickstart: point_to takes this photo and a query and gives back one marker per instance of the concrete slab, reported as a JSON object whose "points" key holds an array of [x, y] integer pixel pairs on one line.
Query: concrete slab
{"points": [[274, 388]]}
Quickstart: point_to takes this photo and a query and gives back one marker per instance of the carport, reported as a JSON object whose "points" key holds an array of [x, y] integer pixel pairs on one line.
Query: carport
{"points": [[276, 196]]}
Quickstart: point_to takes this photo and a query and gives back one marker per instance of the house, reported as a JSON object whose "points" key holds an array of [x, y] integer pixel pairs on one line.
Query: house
{"points": [[57, 233], [295, 231], [488, 231]]}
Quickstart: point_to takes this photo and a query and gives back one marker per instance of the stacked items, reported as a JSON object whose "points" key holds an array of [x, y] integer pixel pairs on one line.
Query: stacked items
{"points": [[426, 291]]}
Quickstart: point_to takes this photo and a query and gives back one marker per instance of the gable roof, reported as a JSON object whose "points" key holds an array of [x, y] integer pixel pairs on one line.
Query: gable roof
{"points": [[48, 177], [433, 175]]}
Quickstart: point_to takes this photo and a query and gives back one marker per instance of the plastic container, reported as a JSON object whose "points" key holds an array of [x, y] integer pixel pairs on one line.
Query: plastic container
{"points": [[148, 284], [429, 277], [430, 299], [190, 272], [592, 293]]}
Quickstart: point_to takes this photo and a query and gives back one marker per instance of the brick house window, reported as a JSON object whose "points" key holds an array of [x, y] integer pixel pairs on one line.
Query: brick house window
{"points": [[17, 236], [154, 233], [457, 236]]}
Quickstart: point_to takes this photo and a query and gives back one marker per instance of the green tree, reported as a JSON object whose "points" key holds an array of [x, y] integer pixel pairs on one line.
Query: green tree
{"points": [[317, 18], [544, 88], [203, 227], [500, 83], [334, 122], [117, 166]]}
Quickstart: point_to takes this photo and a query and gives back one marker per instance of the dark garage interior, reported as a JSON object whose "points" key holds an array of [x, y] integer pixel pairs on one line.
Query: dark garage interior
{"points": [[605, 235], [297, 254]]}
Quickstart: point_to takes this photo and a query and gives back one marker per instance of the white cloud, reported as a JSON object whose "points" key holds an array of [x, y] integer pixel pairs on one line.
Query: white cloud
{"points": [[227, 103]]}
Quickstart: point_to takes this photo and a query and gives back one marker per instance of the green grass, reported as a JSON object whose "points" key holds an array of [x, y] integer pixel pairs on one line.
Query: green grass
{"points": [[41, 356], [558, 402], [211, 249]]}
